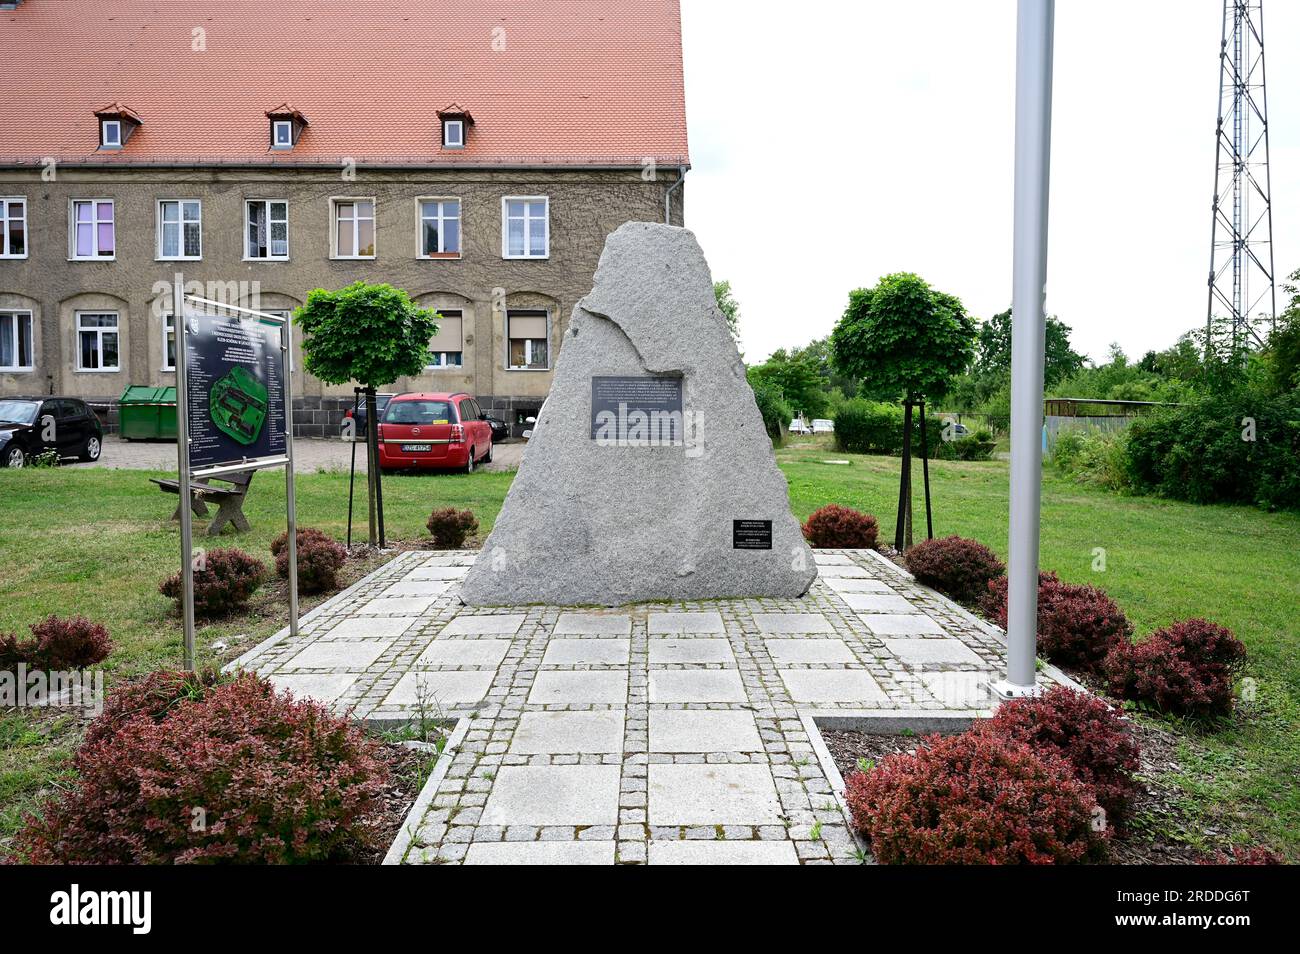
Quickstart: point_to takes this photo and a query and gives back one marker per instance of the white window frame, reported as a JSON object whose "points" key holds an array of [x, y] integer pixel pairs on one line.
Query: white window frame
{"points": [[276, 124], [5, 219], [248, 220], [12, 316], [445, 365], [528, 342], [181, 222], [99, 336], [169, 332], [421, 217], [505, 226], [104, 126], [447, 141], [335, 201], [94, 225]]}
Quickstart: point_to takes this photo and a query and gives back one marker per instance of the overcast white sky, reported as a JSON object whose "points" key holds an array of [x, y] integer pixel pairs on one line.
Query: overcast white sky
{"points": [[835, 142]]}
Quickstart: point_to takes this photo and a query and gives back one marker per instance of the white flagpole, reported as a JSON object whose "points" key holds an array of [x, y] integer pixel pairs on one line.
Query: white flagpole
{"points": [[1029, 279]]}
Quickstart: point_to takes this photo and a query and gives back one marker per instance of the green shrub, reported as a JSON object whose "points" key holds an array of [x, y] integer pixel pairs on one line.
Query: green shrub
{"points": [[871, 427], [777, 414], [1092, 457]]}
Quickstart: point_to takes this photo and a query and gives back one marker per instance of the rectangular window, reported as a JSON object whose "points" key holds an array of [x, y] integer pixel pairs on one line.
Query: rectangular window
{"points": [[440, 228], [268, 229], [525, 227], [15, 341], [282, 134], [453, 134], [92, 229], [97, 341], [13, 227], [112, 134], [180, 228], [527, 341], [354, 228], [169, 343], [446, 347]]}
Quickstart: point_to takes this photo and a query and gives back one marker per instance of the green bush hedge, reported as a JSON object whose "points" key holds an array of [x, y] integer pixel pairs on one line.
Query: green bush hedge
{"points": [[870, 427], [777, 414], [1200, 452], [1092, 457]]}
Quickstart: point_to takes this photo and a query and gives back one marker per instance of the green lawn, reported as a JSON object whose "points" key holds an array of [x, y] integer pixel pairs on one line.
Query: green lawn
{"points": [[99, 541]]}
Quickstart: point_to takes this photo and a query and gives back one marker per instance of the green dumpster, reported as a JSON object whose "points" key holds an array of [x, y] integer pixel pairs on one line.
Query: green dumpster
{"points": [[147, 413]]}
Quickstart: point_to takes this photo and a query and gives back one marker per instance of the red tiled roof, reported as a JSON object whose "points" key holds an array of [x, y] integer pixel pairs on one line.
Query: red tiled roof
{"points": [[578, 82]]}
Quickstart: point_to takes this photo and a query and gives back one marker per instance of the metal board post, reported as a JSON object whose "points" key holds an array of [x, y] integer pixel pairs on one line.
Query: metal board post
{"points": [[183, 470], [291, 504]]}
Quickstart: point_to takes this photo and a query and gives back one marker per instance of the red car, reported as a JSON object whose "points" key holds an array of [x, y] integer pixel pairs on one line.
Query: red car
{"points": [[434, 430]]}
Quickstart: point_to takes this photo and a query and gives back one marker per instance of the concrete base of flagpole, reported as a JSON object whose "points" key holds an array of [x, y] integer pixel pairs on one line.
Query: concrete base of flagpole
{"points": [[1006, 690]]}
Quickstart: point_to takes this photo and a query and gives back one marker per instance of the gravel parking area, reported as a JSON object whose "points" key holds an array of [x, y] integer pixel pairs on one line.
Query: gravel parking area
{"points": [[311, 454]]}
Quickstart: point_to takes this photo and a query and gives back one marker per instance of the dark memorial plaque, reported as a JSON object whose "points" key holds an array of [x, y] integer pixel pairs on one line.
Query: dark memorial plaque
{"points": [[639, 411], [234, 376], [751, 534]]}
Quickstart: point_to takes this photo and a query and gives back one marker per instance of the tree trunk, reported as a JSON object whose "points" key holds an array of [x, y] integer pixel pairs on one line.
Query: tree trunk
{"points": [[372, 463], [925, 476], [901, 525]]}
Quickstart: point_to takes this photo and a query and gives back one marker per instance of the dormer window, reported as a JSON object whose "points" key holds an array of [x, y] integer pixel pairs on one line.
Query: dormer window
{"points": [[287, 125], [456, 121], [116, 124]]}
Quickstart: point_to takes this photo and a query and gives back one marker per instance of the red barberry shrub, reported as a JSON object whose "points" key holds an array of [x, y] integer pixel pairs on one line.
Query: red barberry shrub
{"points": [[955, 566], [451, 527], [1255, 855], [151, 697], [1083, 730], [57, 643], [1188, 668], [320, 557], [271, 779], [1078, 624], [227, 581], [971, 799], [836, 527]]}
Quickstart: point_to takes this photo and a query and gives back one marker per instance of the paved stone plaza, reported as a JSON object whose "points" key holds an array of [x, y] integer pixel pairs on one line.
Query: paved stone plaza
{"points": [[662, 733]]}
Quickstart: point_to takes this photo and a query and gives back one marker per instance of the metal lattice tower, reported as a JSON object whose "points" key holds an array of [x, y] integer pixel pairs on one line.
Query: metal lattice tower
{"points": [[1241, 236]]}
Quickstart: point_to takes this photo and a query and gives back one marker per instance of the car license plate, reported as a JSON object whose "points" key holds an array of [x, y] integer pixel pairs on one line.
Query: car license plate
{"points": [[416, 448]]}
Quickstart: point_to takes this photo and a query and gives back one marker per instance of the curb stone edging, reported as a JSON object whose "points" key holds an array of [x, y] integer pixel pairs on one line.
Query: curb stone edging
{"points": [[406, 834]]}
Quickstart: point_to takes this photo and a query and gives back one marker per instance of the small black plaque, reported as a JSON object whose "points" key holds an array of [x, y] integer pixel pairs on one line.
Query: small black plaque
{"points": [[751, 534], [636, 410]]}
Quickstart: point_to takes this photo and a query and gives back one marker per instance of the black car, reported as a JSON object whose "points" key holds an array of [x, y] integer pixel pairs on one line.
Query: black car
{"points": [[33, 425], [359, 415], [500, 429]]}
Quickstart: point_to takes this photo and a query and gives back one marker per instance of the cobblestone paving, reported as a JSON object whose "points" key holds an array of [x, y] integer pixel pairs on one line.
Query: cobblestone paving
{"points": [[659, 733]]}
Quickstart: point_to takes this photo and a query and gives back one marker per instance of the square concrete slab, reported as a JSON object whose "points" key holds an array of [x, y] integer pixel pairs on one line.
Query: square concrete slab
{"points": [[395, 605], [505, 624], [355, 654], [541, 853], [464, 652], [703, 730], [832, 559], [417, 588], [809, 651], [658, 624], [792, 623], [442, 690], [592, 624], [553, 795], [879, 603], [700, 852], [671, 650], [696, 685], [586, 652], [851, 570], [432, 572], [584, 687], [831, 685], [916, 652], [568, 733], [354, 628], [323, 687], [843, 584], [960, 690], [711, 794], [901, 624]]}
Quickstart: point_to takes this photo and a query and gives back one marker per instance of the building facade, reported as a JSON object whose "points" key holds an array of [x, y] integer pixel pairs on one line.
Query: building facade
{"points": [[486, 193]]}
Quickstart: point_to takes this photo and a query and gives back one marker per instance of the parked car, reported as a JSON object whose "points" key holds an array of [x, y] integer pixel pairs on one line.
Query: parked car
{"points": [[800, 426], [821, 425], [500, 429], [958, 430], [359, 416], [25, 422], [434, 431]]}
